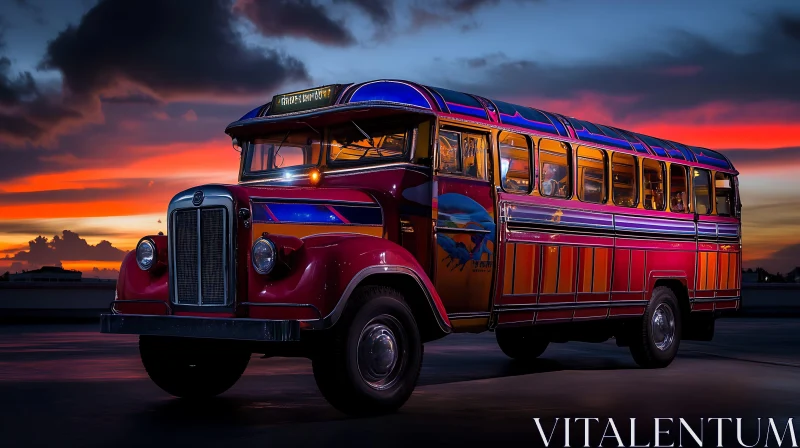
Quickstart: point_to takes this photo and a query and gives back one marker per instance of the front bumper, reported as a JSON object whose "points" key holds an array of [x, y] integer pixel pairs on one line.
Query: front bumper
{"points": [[202, 327]]}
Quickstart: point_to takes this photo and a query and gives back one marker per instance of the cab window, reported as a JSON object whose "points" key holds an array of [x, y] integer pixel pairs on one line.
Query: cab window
{"points": [[554, 169], [724, 193], [591, 175], [701, 184], [678, 189], [463, 153], [623, 180], [515, 167], [653, 184]]}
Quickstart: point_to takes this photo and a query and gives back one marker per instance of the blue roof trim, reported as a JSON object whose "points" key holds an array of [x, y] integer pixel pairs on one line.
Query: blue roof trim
{"points": [[583, 130], [524, 117], [710, 157], [637, 145], [562, 131], [439, 101], [462, 103], [253, 113], [391, 91]]}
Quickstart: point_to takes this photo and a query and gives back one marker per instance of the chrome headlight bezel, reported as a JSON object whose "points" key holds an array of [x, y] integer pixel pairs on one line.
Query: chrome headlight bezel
{"points": [[263, 244], [146, 244]]}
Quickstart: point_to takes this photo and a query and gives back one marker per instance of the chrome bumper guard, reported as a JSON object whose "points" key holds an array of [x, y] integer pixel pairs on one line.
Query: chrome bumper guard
{"points": [[202, 327]]}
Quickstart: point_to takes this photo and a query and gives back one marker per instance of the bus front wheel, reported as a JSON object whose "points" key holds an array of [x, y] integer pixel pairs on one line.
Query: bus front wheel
{"points": [[655, 340], [371, 362]]}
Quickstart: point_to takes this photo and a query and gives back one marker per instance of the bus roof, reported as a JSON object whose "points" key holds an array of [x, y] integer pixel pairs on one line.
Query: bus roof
{"points": [[441, 101]]}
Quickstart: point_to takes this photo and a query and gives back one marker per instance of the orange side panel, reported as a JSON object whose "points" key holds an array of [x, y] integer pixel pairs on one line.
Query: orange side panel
{"points": [[585, 269], [711, 277], [733, 267], [566, 275], [724, 260], [524, 269], [602, 269], [550, 269], [702, 265]]}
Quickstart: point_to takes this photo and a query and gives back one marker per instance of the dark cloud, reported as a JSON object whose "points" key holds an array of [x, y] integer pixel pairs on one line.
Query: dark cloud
{"points": [[759, 157], [33, 9], [296, 18], [43, 251], [138, 51], [175, 48], [438, 12], [379, 11], [694, 72]]}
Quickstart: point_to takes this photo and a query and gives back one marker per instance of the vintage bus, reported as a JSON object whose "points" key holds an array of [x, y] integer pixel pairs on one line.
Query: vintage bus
{"points": [[371, 218]]}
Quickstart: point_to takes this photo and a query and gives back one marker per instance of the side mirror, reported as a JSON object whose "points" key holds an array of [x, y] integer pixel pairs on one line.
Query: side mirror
{"points": [[236, 145]]}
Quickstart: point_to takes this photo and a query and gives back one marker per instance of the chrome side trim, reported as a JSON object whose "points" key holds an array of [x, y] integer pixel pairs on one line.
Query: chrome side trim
{"points": [[714, 299], [334, 315], [457, 316], [569, 306]]}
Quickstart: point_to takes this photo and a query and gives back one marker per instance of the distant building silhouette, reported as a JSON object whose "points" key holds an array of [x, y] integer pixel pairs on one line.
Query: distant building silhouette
{"points": [[47, 274], [793, 276]]}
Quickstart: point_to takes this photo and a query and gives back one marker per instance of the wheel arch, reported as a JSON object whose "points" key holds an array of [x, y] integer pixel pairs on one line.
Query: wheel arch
{"points": [[680, 289], [421, 299]]}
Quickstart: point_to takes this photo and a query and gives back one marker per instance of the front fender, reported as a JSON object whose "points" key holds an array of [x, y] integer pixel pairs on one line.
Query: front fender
{"points": [[143, 290], [325, 271]]}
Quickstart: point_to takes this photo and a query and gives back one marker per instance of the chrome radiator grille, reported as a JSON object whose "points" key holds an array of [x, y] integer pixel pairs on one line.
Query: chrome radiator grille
{"points": [[199, 254]]}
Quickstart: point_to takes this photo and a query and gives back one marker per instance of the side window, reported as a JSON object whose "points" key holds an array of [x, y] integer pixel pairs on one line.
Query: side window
{"points": [[701, 184], [624, 189], [725, 194], [591, 175], [449, 152], [653, 184], [515, 167], [678, 189], [463, 153], [554, 169]]}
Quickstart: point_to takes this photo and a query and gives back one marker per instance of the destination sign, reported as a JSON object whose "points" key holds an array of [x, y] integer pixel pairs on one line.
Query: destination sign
{"points": [[303, 100]]}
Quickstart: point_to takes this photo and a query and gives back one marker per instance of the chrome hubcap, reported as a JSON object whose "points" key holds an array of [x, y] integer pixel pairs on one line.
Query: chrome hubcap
{"points": [[663, 327], [380, 352]]}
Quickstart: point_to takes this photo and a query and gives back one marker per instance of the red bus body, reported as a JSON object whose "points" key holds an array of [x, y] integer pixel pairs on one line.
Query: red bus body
{"points": [[467, 254]]}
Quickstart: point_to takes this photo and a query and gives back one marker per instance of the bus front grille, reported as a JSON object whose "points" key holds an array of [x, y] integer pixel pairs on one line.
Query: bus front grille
{"points": [[198, 267]]}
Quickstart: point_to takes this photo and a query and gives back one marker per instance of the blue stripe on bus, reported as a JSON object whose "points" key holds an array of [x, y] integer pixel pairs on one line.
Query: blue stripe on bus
{"points": [[360, 215], [303, 213]]}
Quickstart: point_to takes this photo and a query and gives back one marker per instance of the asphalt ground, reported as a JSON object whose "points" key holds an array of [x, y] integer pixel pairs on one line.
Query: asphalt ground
{"points": [[69, 385]]}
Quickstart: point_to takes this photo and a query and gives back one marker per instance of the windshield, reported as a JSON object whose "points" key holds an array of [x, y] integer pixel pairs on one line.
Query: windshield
{"points": [[293, 149], [368, 141]]}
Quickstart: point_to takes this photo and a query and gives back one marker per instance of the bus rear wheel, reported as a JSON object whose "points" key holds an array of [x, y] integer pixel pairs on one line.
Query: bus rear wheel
{"points": [[523, 344], [191, 369], [371, 362], [655, 340]]}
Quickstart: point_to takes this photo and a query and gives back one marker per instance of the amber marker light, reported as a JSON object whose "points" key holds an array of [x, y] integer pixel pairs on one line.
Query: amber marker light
{"points": [[314, 176]]}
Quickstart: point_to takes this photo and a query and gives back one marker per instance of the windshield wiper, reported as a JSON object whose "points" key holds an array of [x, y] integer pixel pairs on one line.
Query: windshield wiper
{"points": [[275, 154], [369, 139]]}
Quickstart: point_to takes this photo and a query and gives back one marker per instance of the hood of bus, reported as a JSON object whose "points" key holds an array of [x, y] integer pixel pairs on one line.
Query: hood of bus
{"points": [[297, 211]]}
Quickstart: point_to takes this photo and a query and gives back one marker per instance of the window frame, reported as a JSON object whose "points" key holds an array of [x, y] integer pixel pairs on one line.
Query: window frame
{"points": [[636, 180], [711, 200], [733, 196], [570, 167], [604, 160], [531, 162], [688, 206], [663, 182], [461, 131]]}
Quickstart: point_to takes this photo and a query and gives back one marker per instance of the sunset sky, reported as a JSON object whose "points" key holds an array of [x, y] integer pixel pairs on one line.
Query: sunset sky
{"points": [[108, 108]]}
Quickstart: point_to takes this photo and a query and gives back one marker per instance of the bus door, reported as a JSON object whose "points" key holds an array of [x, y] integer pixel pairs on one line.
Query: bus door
{"points": [[465, 227]]}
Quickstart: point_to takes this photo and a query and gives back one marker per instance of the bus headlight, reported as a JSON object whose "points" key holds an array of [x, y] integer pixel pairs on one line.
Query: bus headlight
{"points": [[146, 254], [263, 255]]}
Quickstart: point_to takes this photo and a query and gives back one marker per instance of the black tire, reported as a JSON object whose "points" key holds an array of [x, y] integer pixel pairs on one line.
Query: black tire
{"points": [[523, 344], [192, 369], [647, 344], [348, 381]]}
